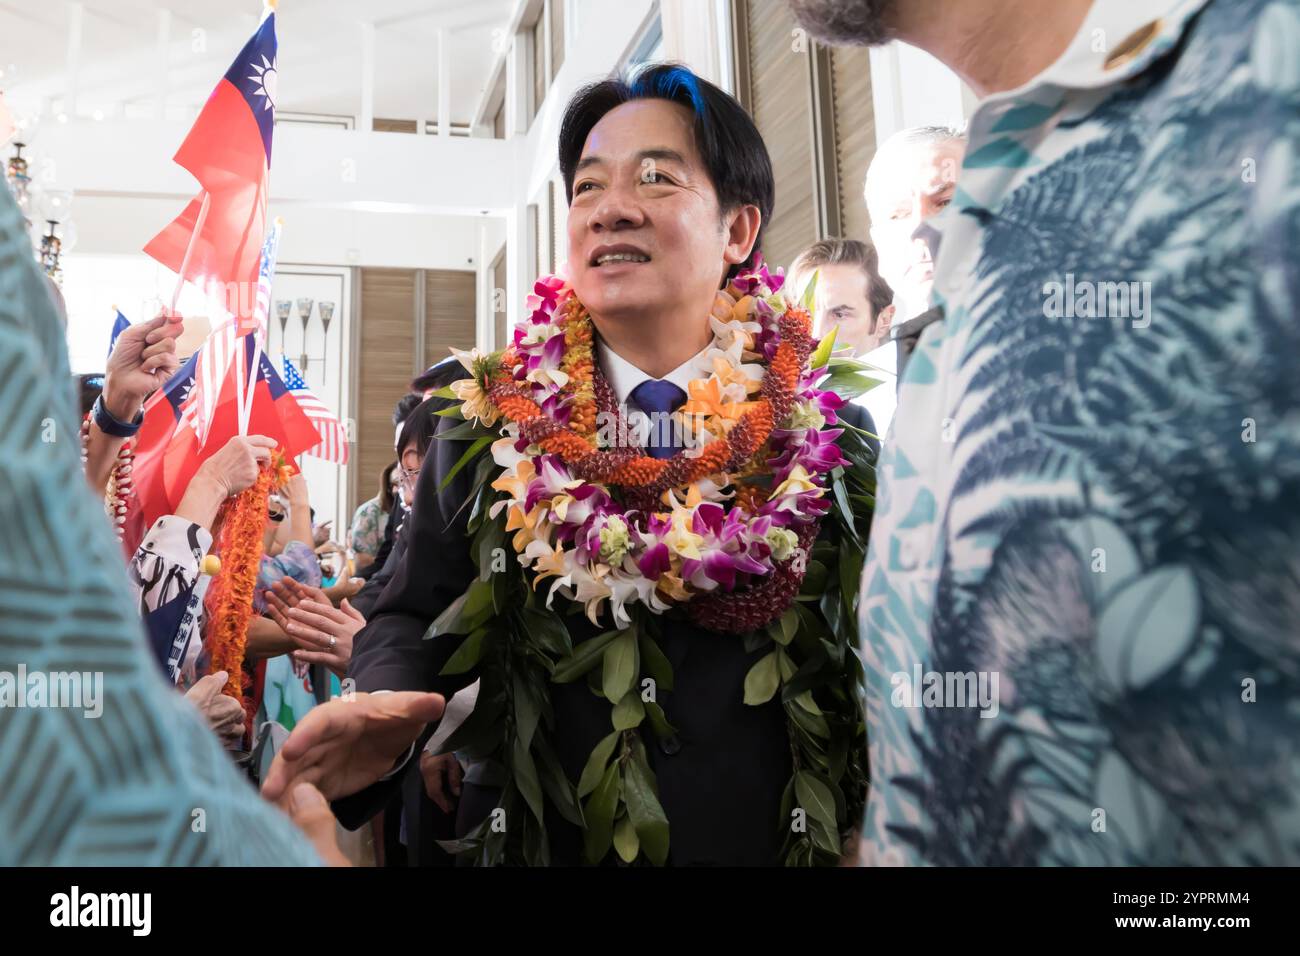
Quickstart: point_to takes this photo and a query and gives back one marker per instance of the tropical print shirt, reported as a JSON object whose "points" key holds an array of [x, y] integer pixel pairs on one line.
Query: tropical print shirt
{"points": [[117, 769], [368, 527], [1079, 609]]}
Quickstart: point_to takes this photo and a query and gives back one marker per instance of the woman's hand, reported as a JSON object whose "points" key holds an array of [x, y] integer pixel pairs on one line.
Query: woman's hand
{"points": [[296, 491], [224, 715], [231, 470], [341, 590], [286, 593], [324, 633]]}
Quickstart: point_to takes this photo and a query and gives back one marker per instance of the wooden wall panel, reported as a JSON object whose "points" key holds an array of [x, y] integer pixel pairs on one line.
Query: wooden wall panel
{"points": [[779, 100], [501, 328], [855, 136], [449, 313], [386, 337]]}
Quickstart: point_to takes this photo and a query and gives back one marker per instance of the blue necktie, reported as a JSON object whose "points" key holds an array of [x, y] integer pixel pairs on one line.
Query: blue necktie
{"points": [[659, 400]]}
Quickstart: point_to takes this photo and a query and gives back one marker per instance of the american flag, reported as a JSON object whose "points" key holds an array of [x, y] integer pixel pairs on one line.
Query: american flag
{"points": [[333, 438], [220, 347], [202, 393], [265, 276]]}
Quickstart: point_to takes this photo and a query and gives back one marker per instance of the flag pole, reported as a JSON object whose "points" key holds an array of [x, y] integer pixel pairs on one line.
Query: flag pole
{"points": [[189, 249], [246, 398]]}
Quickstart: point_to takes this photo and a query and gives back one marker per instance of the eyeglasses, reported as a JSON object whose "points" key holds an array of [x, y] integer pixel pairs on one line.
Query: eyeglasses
{"points": [[406, 477]]}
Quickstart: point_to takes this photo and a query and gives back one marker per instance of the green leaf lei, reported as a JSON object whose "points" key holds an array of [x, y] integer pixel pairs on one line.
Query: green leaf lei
{"points": [[519, 647]]}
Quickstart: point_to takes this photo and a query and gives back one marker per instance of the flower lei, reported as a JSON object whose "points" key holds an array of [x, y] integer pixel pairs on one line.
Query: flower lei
{"points": [[612, 523], [729, 532], [229, 600], [117, 491]]}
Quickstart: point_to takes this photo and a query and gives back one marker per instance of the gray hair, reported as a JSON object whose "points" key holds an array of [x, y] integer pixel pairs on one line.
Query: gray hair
{"points": [[846, 22], [906, 141]]}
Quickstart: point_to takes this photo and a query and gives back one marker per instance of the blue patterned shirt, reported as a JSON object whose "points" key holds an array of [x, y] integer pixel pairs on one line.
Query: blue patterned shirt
{"points": [[105, 763], [1081, 606]]}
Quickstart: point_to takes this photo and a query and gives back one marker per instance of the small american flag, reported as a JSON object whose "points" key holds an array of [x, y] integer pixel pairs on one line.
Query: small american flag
{"points": [[333, 438], [215, 356], [265, 276]]}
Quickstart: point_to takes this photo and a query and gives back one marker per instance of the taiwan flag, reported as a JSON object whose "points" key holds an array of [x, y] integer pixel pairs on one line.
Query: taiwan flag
{"points": [[229, 152], [168, 449]]}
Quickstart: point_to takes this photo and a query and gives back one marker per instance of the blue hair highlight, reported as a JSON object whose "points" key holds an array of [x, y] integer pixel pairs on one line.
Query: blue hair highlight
{"points": [[668, 85]]}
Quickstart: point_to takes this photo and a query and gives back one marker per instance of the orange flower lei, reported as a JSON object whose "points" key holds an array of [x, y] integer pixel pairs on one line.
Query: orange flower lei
{"points": [[579, 365], [230, 598], [575, 443]]}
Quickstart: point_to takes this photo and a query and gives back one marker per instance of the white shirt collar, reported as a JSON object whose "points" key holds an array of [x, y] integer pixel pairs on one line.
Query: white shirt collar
{"points": [[624, 377]]}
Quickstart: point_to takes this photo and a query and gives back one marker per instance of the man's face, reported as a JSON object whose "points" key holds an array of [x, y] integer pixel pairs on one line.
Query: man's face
{"points": [[841, 300], [914, 185], [642, 195]]}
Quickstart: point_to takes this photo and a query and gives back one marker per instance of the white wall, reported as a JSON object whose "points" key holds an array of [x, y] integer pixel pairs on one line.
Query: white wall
{"points": [[600, 33], [324, 167], [912, 88], [121, 225]]}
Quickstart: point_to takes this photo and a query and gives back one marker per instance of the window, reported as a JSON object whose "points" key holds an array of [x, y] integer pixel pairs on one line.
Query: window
{"points": [[559, 222], [495, 107], [556, 12], [537, 38], [649, 44]]}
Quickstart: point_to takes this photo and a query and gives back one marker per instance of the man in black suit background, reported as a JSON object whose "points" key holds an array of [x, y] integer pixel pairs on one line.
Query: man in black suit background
{"points": [[670, 184]]}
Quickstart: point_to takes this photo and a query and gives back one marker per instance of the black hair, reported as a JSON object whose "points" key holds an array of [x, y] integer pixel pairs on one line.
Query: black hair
{"points": [[438, 376], [420, 425], [405, 405], [386, 487], [729, 143]]}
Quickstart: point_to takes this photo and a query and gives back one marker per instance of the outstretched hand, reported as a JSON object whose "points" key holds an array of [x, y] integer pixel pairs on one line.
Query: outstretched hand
{"points": [[348, 743]]}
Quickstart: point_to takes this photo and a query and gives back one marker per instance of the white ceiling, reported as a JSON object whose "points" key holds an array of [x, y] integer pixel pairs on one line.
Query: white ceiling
{"points": [[319, 58]]}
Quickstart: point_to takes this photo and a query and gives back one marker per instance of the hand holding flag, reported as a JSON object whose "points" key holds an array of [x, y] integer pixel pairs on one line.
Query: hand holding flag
{"points": [[142, 358]]}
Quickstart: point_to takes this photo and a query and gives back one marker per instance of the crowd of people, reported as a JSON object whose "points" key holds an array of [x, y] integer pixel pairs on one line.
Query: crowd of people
{"points": [[1066, 507]]}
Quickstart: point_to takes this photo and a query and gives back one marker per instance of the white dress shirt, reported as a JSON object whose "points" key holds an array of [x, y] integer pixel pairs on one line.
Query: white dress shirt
{"points": [[882, 400], [624, 377]]}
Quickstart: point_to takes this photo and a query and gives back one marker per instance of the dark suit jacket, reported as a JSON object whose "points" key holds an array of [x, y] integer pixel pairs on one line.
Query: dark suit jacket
{"points": [[720, 779]]}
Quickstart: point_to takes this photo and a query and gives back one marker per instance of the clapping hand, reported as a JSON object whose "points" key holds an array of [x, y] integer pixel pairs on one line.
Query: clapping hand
{"points": [[323, 633]]}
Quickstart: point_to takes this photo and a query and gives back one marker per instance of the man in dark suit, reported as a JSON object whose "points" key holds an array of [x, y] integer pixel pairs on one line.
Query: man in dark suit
{"points": [[649, 246]]}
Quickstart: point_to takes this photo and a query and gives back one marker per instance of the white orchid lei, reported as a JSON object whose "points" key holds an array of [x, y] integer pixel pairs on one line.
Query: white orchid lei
{"points": [[726, 531], [732, 514]]}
